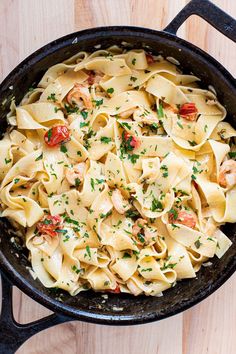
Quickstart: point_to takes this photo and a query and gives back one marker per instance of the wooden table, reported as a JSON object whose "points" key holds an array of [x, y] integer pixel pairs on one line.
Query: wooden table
{"points": [[209, 327]]}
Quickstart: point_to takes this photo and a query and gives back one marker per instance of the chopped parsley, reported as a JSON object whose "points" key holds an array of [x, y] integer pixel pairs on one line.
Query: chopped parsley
{"points": [[197, 243], [67, 237], [100, 181], [128, 232], [210, 239], [110, 90], [7, 161], [140, 237], [98, 103], [103, 216], [16, 180], [126, 146], [125, 124], [232, 154], [173, 212], [153, 127], [92, 184], [132, 214], [105, 140], [133, 78], [70, 109], [174, 226], [63, 148], [146, 270], [49, 134], [180, 125], [75, 269], [165, 173], [192, 143], [84, 114], [83, 124], [88, 251], [52, 97], [39, 157], [156, 205], [133, 61], [77, 182], [160, 112], [126, 255], [168, 266], [133, 158], [71, 221]]}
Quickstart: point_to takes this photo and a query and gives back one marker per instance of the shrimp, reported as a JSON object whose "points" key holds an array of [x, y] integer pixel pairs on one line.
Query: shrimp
{"points": [[77, 93], [183, 217], [227, 175], [138, 226], [120, 204], [75, 175]]}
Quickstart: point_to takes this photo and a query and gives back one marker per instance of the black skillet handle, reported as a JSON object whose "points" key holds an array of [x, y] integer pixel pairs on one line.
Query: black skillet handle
{"points": [[13, 334], [209, 12]]}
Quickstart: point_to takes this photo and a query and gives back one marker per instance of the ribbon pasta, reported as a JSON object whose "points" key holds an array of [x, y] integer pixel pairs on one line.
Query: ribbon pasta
{"points": [[120, 170]]}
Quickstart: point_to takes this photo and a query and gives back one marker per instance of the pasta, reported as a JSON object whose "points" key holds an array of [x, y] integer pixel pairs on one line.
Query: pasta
{"points": [[119, 170]]}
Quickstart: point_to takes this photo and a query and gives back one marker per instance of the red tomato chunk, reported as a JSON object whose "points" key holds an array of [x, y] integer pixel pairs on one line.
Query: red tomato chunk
{"points": [[49, 224], [116, 290], [131, 140], [188, 111], [56, 135], [150, 59]]}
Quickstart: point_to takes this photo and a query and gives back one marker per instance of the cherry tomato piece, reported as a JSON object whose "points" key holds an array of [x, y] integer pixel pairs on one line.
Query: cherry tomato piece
{"points": [[56, 135], [132, 141], [116, 290], [188, 111], [49, 224], [150, 59]]}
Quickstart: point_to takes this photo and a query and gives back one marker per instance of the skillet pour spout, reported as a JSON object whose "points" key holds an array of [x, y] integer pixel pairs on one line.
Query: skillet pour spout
{"points": [[91, 306]]}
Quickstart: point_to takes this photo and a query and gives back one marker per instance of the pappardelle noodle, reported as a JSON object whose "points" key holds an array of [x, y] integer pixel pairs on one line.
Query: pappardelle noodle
{"points": [[120, 171]]}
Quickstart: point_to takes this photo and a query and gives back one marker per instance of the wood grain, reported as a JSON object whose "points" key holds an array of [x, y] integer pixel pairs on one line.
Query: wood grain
{"points": [[209, 327]]}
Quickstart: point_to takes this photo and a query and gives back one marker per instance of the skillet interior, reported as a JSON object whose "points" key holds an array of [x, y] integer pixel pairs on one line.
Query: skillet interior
{"points": [[91, 306]]}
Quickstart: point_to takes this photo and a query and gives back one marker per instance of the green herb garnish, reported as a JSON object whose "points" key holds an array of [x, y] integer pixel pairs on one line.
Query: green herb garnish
{"points": [[110, 90], [52, 97], [39, 157], [63, 148], [160, 112], [105, 139], [156, 205]]}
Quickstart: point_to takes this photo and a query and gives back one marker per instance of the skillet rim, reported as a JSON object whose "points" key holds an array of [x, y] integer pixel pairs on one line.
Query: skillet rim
{"points": [[9, 270]]}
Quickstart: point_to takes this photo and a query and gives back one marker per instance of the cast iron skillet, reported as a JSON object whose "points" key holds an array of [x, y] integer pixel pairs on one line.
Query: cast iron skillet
{"points": [[91, 306]]}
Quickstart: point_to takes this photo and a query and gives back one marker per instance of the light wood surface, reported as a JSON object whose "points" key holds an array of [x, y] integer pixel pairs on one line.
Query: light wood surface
{"points": [[209, 327]]}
